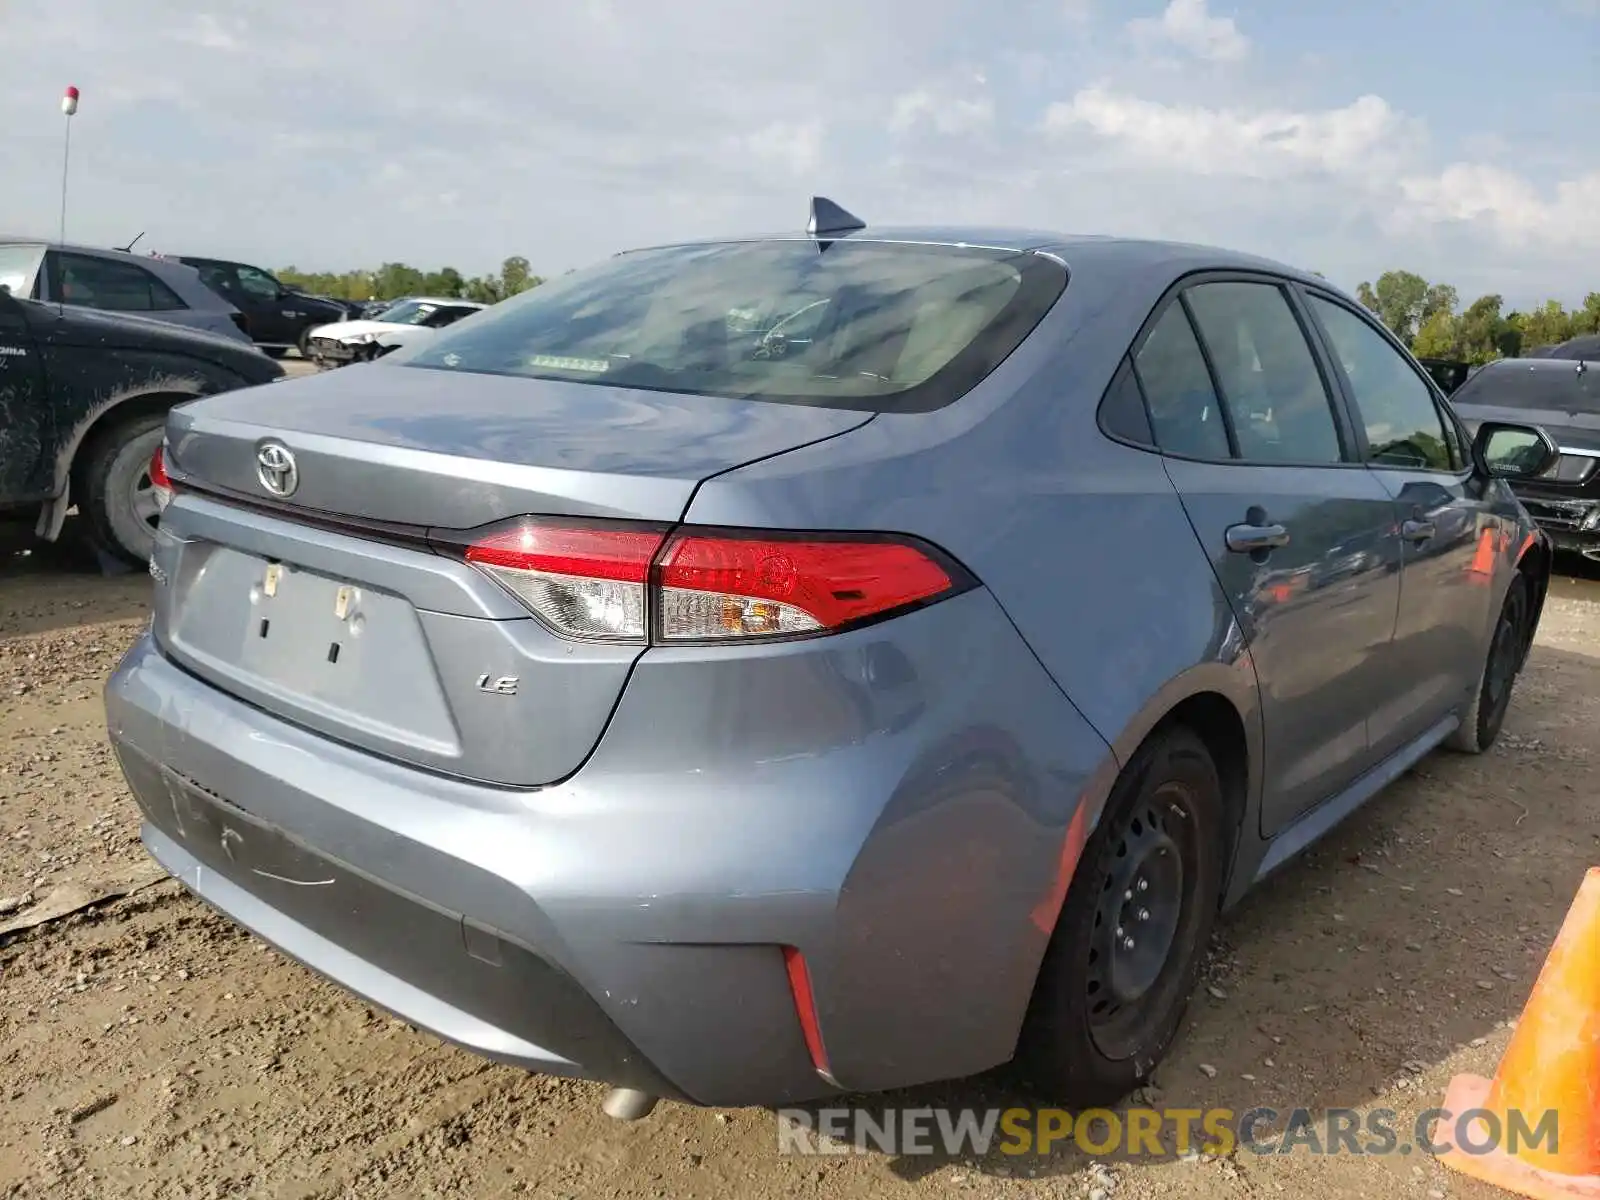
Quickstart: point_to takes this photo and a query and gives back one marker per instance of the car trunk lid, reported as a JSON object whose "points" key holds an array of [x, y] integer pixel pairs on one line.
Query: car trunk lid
{"points": [[305, 606], [421, 447]]}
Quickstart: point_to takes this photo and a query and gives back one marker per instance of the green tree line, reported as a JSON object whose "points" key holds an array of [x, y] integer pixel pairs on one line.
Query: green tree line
{"points": [[1426, 316], [395, 280]]}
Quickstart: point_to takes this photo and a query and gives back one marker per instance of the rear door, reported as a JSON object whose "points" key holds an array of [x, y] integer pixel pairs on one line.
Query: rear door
{"points": [[270, 310], [1449, 535], [1301, 535], [259, 303]]}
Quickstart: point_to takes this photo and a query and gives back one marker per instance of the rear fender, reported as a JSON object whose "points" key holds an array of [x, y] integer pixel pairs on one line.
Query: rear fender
{"points": [[1534, 563], [1234, 682]]}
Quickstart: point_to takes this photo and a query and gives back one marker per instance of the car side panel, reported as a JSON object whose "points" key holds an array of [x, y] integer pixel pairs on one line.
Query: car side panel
{"points": [[1083, 541], [1318, 614], [27, 431]]}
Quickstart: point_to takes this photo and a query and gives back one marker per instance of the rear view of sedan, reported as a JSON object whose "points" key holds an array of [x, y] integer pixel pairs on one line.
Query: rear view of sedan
{"points": [[751, 671]]}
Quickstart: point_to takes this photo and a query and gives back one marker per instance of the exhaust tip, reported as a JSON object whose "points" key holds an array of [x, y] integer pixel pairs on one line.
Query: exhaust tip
{"points": [[628, 1104]]}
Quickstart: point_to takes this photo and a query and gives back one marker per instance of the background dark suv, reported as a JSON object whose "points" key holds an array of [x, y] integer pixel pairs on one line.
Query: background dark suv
{"points": [[277, 317], [1562, 396]]}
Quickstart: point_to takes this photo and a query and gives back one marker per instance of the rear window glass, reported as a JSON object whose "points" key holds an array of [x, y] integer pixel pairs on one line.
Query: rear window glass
{"points": [[19, 266], [873, 326], [1562, 388], [408, 312]]}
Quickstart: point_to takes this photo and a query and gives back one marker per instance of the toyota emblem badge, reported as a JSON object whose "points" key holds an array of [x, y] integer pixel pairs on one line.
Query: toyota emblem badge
{"points": [[276, 469]]}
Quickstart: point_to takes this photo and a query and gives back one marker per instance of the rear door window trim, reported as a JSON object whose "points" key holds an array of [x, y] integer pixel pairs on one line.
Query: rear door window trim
{"points": [[1349, 429]]}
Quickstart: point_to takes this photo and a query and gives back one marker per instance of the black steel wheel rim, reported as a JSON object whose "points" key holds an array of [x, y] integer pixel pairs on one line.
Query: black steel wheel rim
{"points": [[1147, 893]]}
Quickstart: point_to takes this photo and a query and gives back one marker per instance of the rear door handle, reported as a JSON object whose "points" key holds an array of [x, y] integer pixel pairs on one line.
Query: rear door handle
{"points": [[1416, 530], [1247, 539]]}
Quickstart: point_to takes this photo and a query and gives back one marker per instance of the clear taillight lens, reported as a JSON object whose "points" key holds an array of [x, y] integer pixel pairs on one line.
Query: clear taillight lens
{"points": [[598, 581], [583, 581], [160, 481]]}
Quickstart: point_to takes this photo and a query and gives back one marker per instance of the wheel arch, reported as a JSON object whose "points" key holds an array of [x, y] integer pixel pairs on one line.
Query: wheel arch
{"points": [[156, 397], [1534, 563], [1220, 703]]}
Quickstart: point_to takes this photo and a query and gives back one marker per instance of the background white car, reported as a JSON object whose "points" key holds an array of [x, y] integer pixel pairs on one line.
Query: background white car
{"points": [[402, 323]]}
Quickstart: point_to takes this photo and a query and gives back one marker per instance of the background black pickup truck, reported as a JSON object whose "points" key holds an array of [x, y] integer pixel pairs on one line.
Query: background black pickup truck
{"points": [[277, 317], [84, 397]]}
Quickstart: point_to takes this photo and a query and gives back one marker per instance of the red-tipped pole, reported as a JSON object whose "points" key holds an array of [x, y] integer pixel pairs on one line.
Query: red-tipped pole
{"points": [[69, 106]]}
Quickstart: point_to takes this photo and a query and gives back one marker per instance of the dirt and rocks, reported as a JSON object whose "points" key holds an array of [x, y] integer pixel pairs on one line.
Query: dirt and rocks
{"points": [[148, 1048]]}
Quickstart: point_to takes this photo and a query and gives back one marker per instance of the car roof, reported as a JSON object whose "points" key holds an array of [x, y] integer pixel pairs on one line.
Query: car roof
{"points": [[143, 260], [1550, 366], [180, 277], [1100, 249]]}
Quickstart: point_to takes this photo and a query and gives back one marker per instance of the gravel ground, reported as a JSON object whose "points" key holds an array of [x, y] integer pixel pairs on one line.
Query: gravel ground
{"points": [[150, 1049]]}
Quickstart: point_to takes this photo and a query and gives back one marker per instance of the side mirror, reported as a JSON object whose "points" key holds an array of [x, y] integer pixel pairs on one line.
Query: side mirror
{"points": [[1513, 451]]}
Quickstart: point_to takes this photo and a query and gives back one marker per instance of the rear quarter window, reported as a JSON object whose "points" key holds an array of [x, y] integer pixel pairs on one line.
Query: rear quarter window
{"points": [[882, 327]]}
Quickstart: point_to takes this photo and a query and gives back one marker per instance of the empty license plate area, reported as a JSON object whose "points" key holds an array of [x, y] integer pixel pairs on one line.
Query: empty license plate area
{"points": [[307, 644]]}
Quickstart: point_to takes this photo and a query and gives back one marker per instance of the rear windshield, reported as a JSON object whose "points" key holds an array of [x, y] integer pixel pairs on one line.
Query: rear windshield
{"points": [[874, 326], [1511, 385]]}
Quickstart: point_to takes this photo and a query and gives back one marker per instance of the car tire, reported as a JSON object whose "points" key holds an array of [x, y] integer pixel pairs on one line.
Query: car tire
{"points": [[1508, 649], [304, 344], [1107, 1007], [113, 485]]}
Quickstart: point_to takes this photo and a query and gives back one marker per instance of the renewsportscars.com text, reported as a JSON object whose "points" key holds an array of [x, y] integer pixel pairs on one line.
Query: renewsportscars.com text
{"points": [[1156, 1132]]}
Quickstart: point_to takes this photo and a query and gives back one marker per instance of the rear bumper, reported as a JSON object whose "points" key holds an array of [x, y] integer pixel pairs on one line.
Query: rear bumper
{"points": [[893, 803]]}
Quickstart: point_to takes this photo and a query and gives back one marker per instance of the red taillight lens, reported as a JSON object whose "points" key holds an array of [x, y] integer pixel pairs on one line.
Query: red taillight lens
{"points": [[581, 580], [740, 587], [160, 481], [599, 581]]}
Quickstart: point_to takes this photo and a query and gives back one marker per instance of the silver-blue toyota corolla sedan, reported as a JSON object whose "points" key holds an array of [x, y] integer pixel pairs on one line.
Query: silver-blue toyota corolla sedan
{"points": [[746, 671]]}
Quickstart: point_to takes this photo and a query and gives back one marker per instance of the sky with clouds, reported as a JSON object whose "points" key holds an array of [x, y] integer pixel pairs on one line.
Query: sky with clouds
{"points": [[1455, 138]]}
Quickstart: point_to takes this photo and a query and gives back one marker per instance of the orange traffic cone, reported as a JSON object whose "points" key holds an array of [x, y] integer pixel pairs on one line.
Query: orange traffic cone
{"points": [[1551, 1065]]}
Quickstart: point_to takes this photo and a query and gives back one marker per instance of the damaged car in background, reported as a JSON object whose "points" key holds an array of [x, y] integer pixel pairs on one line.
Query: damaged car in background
{"points": [[402, 324], [1562, 396], [83, 399]]}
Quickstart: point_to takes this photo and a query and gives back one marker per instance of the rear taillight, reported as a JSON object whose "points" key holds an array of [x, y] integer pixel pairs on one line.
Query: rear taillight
{"points": [[732, 587], [638, 583], [160, 481], [584, 581]]}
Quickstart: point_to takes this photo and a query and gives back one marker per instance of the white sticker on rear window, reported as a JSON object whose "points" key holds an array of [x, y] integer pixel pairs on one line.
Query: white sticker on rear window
{"points": [[553, 362]]}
